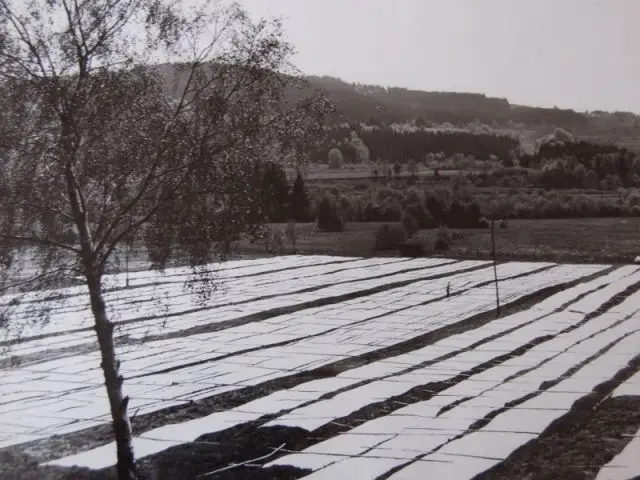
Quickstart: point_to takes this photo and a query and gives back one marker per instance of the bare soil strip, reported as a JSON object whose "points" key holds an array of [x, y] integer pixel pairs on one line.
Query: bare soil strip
{"points": [[578, 444], [543, 387]]}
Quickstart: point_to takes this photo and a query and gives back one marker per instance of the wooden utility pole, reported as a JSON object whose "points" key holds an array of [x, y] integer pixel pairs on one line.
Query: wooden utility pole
{"points": [[126, 260], [495, 267]]}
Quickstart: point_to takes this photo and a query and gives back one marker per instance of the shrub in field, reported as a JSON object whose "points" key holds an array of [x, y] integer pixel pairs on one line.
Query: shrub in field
{"points": [[461, 215], [582, 206], [356, 210], [346, 207], [328, 216], [474, 214], [392, 210], [389, 237], [412, 195], [444, 240], [559, 208], [437, 207], [411, 225], [633, 200], [455, 217], [335, 159], [372, 213], [422, 215], [606, 208]]}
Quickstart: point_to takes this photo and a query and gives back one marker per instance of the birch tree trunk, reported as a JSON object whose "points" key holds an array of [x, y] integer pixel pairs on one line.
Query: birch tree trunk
{"points": [[110, 365]]}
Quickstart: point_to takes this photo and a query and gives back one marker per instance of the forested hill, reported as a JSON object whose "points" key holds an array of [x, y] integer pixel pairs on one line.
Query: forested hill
{"points": [[378, 105], [375, 105]]}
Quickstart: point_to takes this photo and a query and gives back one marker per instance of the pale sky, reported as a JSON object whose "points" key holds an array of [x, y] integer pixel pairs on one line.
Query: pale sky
{"points": [[581, 54]]}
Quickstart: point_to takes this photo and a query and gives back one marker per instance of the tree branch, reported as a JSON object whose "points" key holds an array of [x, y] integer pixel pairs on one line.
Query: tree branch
{"points": [[80, 55], [48, 208], [35, 279], [143, 189], [241, 464], [22, 31], [40, 241], [152, 211]]}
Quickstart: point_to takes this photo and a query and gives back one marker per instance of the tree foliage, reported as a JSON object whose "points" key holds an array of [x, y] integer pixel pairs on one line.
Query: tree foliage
{"points": [[583, 165], [389, 144]]}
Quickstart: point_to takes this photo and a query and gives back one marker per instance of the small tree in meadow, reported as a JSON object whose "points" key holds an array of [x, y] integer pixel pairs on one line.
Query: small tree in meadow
{"points": [[328, 215], [336, 160], [274, 192], [411, 225], [389, 236], [412, 168], [299, 204]]}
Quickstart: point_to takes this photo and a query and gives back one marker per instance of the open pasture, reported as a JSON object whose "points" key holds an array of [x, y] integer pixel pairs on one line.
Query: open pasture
{"points": [[325, 367]]}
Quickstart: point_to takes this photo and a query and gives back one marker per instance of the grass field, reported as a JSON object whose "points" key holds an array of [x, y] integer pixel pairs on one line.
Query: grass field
{"points": [[325, 368], [614, 240]]}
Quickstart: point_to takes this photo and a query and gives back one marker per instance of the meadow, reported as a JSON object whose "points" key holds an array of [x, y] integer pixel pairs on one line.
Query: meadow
{"points": [[613, 240]]}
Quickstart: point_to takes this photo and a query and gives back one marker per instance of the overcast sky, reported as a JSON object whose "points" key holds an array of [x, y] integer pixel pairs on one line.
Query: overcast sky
{"points": [[581, 54]]}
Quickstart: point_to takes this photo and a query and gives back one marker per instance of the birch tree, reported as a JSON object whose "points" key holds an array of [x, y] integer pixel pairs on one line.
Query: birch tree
{"points": [[100, 142]]}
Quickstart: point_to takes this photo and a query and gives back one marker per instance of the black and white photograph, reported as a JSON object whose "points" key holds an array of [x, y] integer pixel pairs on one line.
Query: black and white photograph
{"points": [[319, 240]]}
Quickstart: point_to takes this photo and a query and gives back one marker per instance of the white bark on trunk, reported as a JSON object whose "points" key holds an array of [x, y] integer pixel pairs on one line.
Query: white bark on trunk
{"points": [[110, 365]]}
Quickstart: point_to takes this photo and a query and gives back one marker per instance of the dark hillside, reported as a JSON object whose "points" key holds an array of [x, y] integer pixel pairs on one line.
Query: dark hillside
{"points": [[376, 105]]}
